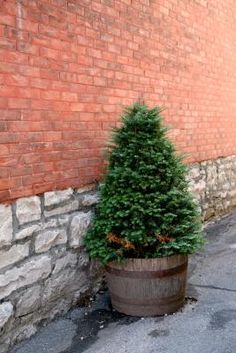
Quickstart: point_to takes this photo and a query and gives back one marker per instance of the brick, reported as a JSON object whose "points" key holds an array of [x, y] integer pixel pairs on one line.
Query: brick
{"points": [[3, 103], [4, 150], [21, 171], [49, 53], [12, 57], [28, 48], [51, 95], [100, 81], [41, 104], [5, 184], [29, 26], [29, 71], [18, 103], [40, 83], [7, 43], [52, 136], [94, 53], [7, 19], [29, 93], [38, 61], [77, 107], [5, 196], [9, 91], [17, 80], [69, 97]]}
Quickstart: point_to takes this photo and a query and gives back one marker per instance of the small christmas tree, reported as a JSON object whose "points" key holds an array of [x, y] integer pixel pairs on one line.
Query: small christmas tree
{"points": [[145, 210]]}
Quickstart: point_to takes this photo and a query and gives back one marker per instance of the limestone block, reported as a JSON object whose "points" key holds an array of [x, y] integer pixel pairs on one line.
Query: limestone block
{"points": [[49, 223], [28, 209], [72, 206], [27, 232], [56, 197], [6, 311], [5, 225], [69, 260], [23, 332], [29, 301], [63, 220], [89, 199], [78, 228], [47, 239], [30, 272], [86, 188], [211, 177], [63, 284], [83, 259], [14, 254], [199, 187], [194, 172], [59, 285], [4, 346]]}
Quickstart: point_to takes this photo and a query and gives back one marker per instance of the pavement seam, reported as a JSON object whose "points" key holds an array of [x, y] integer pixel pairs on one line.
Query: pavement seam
{"points": [[213, 287]]}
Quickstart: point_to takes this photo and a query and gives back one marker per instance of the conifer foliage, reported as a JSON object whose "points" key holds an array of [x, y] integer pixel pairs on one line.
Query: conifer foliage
{"points": [[145, 209]]}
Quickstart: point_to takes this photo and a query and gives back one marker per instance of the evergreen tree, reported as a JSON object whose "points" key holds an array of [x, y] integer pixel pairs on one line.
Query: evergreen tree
{"points": [[145, 210]]}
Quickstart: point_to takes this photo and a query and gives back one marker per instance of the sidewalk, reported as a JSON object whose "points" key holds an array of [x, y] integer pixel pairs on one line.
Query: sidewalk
{"points": [[207, 323]]}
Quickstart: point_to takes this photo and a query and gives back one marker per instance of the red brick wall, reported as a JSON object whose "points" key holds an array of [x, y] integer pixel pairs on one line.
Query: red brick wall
{"points": [[67, 67]]}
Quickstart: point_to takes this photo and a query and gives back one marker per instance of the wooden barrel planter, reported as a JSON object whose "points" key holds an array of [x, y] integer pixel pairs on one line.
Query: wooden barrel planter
{"points": [[148, 287]]}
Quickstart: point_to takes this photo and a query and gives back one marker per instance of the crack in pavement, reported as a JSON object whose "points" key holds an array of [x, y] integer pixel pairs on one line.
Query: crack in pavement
{"points": [[213, 287]]}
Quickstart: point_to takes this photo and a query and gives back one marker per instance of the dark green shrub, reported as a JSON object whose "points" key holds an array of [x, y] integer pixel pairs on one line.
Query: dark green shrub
{"points": [[145, 210]]}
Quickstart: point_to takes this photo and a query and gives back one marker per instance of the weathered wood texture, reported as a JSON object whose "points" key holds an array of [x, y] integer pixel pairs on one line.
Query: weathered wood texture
{"points": [[148, 287]]}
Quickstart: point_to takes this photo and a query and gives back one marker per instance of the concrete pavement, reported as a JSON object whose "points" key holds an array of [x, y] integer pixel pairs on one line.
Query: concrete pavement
{"points": [[206, 324]]}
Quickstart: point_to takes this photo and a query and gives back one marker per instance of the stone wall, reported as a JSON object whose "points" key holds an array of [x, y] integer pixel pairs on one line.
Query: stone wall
{"points": [[44, 269], [214, 185]]}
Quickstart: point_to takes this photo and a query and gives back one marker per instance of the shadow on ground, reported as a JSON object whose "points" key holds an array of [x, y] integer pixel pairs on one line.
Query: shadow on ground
{"points": [[97, 318]]}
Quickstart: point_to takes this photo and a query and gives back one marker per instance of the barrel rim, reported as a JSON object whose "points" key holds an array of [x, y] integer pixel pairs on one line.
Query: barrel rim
{"points": [[147, 273], [158, 260]]}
